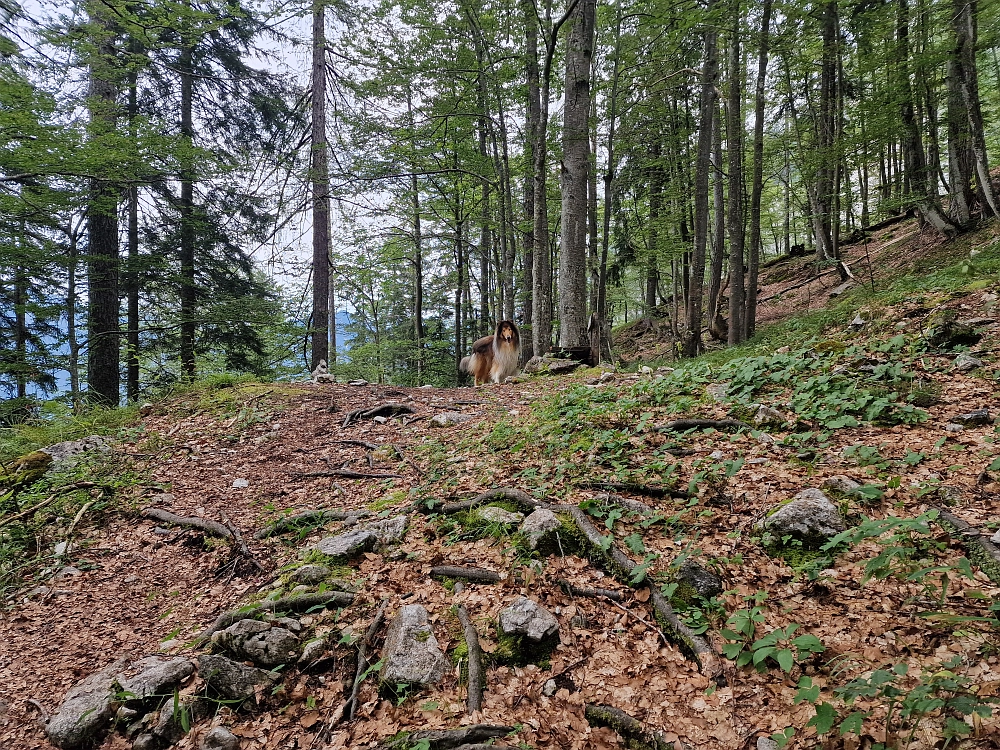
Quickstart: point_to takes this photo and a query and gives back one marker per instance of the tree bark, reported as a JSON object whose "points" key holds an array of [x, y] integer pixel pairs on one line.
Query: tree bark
{"points": [[188, 283], [758, 170], [734, 145], [716, 323], [320, 184]]}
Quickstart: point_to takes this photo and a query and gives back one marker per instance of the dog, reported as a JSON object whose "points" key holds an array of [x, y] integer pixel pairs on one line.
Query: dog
{"points": [[494, 358]]}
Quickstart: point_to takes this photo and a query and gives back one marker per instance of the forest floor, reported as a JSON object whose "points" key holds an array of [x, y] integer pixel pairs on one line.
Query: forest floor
{"points": [[909, 627]]}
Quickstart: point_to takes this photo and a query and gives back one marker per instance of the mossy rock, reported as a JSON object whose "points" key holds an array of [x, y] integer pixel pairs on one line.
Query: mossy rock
{"points": [[24, 471], [830, 346], [945, 331], [518, 651]]}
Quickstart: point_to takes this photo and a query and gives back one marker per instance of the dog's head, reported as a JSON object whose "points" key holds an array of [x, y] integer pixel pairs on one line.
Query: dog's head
{"points": [[507, 333]]}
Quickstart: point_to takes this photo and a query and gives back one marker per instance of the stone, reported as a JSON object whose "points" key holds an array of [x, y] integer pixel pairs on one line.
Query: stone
{"points": [[946, 331], [86, 710], [219, 738], [526, 618], [155, 675], [310, 573], [412, 654], [766, 743], [952, 427], [767, 415], [973, 418], [858, 321], [70, 450], [965, 362], [810, 518], [241, 484], [388, 530], [493, 514], [995, 538], [313, 651], [349, 544], [705, 583], [765, 439], [170, 721], [840, 483], [259, 642], [357, 382], [449, 418], [716, 455], [146, 742], [717, 392], [231, 679], [549, 688], [539, 527]]}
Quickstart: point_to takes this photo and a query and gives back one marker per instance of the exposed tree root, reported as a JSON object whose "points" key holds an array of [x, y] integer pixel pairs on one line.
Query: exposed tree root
{"points": [[981, 550], [477, 682], [569, 588], [241, 545], [385, 410], [524, 501], [203, 524], [475, 575], [366, 642], [634, 732], [47, 501], [702, 424], [294, 522], [299, 603], [637, 489]]}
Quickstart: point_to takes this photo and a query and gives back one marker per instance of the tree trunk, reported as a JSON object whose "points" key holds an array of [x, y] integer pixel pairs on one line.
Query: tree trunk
{"points": [[188, 283], [716, 323], [320, 192], [132, 325], [533, 115], [734, 145], [961, 157], [656, 175], [692, 339], [102, 225], [758, 170]]}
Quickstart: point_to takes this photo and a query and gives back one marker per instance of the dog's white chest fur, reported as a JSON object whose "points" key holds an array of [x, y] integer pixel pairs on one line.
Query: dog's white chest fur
{"points": [[505, 361]]}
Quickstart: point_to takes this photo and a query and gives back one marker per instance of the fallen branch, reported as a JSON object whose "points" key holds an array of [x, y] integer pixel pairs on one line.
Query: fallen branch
{"points": [[980, 549], [299, 603], [476, 683], [47, 501], [361, 443], [645, 622], [448, 739], [241, 545], [637, 506], [593, 593], [79, 514], [702, 424], [352, 702], [523, 500], [634, 732], [298, 520], [346, 473], [385, 410], [475, 575], [621, 567], [195, 522]]}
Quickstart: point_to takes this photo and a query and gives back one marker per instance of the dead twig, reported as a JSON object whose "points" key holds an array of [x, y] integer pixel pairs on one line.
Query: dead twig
{"points": [[352, 702], [476, 683], [569, 588], [204, 524], [47, 501], [385, 410], [242, 545], [634, 732]]}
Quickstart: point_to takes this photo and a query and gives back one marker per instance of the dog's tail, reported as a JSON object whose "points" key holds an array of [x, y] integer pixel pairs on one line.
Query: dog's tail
{"points": [[466, 364]]}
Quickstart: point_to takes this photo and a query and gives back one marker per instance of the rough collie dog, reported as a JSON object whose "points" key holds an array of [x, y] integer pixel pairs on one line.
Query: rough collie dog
{"points": [[494, 358]]}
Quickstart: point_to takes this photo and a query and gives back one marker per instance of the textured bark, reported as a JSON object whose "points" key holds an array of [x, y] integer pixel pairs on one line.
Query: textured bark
{"points": [[734, 216], [758, 171], [656, 179], [692, 338], [132, 291], [188, 292], [320, 185], [533, 114], [716, 323], [102, 223]]}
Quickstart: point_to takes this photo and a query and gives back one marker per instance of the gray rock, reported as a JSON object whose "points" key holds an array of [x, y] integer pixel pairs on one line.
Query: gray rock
{"points": [[765, 439], [766, 743], [551, 365], [995, 538], [705, 583], [231, 679], [840, 483], [449, 418], [412, 655], [717, 392], [220, 738], [767, 415], [965, 362], [525, 617], [310, 573], [258, 642], [388, 530], [952, 427], [539, 526], [312, 651], [170, 721], [493, 514], [86, 710], [155, 675], [146, 742], [346, 545], [810, 518], [973, 418], [549, 688], [240, 483], [70, 450]]}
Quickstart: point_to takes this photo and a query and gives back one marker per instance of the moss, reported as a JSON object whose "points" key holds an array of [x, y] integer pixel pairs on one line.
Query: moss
{"points": [[685, 595], [830, 346], [24, 471], [388, 501], [518, 651]]}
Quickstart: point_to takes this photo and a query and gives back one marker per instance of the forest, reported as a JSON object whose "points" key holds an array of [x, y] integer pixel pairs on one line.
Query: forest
{"points": [[196, 186]]}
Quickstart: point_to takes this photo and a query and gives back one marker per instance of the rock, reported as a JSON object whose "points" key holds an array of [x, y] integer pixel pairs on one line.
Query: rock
{"points": [[550, 365], [525, 617], [358, 382], [767, 415], [146, 742], [995, 538], [858, 322], [61, 548], [231, 679], [540, 527], [766, 743], [705, 583], [493, 514], [449, 418], [945, 331], [171, 719], [310, 573], [388, 530], [220, 738], [412, 655], [258, 642], [810, 518], [840, 483], [717, 391], [240, 484], [952, 427], [155, 675], [70, 450], [948, 494], [312, 651], [86, 710], [716, 455], [765, 439], [349, 544], [973, 418], [162, 498], [965, 362], [549, 688]]}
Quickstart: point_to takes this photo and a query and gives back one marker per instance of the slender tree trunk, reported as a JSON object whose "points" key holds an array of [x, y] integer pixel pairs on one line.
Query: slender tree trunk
{"points": [[103, 380], [486, 234], [21, 324], [656, 175], [188, 282], [706, 108], [320, 184], [734, 145], [132, 337], [758, 169], [534, 108], [71, 334], [716, 323]]}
